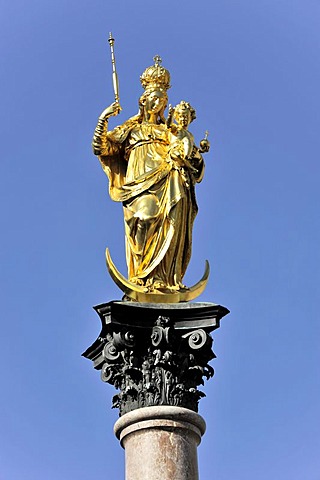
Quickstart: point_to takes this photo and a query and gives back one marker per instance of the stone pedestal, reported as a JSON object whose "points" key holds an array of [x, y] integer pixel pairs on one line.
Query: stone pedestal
{"points": [[160, 443]]}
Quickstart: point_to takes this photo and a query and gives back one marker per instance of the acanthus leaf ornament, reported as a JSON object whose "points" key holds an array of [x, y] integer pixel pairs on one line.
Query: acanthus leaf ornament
{"points": [[155, 355]]}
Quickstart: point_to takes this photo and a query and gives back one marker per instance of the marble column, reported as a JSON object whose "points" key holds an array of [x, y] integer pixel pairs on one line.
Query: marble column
{"points": [[160, 442]]}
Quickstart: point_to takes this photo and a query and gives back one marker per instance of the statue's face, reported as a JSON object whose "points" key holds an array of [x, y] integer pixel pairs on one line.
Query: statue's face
{"points": [[154, 102], [183, 117]]}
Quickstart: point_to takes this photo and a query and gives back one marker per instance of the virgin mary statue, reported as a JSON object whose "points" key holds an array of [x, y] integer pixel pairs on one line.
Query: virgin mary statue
{"points": [[152, 171]]}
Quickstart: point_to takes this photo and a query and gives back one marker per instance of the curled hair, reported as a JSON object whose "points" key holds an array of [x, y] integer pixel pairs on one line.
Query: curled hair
{"points": [[182, 106]]}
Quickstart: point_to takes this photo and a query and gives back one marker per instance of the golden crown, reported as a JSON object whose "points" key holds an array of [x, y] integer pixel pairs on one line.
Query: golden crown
{"points": [[156, 77]]}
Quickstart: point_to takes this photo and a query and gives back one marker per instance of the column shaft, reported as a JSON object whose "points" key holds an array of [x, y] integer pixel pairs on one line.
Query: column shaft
{"points": [[161, 443]]}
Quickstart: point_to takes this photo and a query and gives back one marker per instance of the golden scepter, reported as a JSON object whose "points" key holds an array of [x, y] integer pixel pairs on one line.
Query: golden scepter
{"points": [[114, 71]]}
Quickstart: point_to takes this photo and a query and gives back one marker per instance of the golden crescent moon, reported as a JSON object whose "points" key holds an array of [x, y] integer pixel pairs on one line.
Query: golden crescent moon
{"points": [[140, 294]]}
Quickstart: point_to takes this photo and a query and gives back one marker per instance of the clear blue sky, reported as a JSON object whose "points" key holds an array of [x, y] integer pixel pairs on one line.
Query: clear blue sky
{"points": [[251, 69]]}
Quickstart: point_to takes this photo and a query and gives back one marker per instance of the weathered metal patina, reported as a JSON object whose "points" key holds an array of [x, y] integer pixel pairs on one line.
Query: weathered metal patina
{"points": [[155, 354]]}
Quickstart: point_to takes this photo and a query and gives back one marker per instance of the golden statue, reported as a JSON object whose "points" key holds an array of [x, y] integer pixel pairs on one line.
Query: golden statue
{"points": [[153, 164]]}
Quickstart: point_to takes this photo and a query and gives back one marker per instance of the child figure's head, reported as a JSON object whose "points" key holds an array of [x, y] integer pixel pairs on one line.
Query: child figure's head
{"points": [[184, 114]]}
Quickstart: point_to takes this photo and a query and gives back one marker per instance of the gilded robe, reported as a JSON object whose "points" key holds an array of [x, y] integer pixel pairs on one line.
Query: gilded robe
{"points": [[150, 174]]}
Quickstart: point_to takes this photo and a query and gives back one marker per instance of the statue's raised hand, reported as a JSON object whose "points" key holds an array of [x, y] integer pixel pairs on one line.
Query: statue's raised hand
{"points": [[111, 111]]}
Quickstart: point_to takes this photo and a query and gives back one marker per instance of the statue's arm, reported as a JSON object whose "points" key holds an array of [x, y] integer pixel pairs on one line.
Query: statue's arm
{"points": [[102, 145], [197, 163], [185, 153], [197, 159]]}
